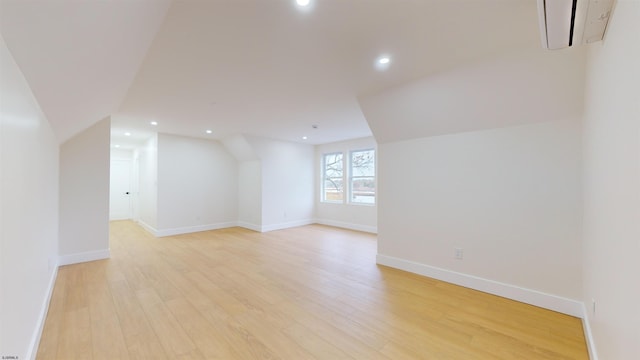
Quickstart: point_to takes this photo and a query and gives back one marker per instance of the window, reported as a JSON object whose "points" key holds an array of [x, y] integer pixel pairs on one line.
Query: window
{"points": [[362, 181], [333, 178]]}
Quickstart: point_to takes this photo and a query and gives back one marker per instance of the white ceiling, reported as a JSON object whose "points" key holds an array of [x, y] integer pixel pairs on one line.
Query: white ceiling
{"points": [[523, 87], [259, 67], [79, 56]]}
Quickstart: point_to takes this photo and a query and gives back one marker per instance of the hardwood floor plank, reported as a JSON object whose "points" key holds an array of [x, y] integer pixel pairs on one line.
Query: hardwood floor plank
{"points": [[338, 337], [313, 292], [74, 341], [248, 342], [207, 338], [106, 333], [142, 342], [314, 343], [220, 297], [147, 351], [49, 346], [76, 293], [341, 316], [269, 330], [168, 329]]}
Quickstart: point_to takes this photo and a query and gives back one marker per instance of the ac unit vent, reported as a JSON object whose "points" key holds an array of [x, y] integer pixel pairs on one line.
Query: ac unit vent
{"points": [[565, 23]]}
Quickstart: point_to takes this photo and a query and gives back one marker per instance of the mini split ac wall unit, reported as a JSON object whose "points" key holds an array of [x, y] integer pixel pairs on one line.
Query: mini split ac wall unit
{"points": [[566, 23]]}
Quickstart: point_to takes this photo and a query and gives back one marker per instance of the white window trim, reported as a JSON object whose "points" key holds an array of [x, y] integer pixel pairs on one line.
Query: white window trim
{"points": [[323, 178], [350, 177]]}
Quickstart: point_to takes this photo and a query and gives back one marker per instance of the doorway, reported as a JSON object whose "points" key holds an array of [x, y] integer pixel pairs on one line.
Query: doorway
{"points": [[120, 189]]}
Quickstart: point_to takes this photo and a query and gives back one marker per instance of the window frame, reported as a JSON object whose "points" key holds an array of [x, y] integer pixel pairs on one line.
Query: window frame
{"points": [[351, 178], [323, 193]]}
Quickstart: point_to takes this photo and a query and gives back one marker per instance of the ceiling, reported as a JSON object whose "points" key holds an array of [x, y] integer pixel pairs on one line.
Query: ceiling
{"points": [[79, 57], [260, 67]]}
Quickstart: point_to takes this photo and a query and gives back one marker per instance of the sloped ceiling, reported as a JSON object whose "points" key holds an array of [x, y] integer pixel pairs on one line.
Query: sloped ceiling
{"points": [[80, 56], [511, 89], [261, 67]]}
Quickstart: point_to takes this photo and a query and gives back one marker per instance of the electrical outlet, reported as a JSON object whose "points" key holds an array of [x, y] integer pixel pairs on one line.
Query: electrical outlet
{"points": [[458, 253]]}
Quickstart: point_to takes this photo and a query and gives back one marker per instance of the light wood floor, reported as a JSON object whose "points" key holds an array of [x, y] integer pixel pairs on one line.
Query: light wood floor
{"points": [[313, 292]]}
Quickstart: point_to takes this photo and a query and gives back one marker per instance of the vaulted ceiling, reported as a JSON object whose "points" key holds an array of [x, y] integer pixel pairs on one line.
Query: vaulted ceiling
{"points": [[79, 57], [270, 67]]}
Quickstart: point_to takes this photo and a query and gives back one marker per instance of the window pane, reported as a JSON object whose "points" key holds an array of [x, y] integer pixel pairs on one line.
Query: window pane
{"points": [[363, 163], [333, 184], [363, 190], [333, 190], [362, 184], [333, 165]]}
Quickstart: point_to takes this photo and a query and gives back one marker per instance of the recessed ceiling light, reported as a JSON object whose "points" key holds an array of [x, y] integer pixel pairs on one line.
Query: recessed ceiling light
{"points": [[117, 146], [303, 2], [304, 138], [209, 131], [154, 123], [383, 62], [127, 134]]}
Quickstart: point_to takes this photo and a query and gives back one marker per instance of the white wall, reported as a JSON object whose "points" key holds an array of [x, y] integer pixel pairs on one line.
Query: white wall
{"points": [[147, 198], [249, 181], [240, 148], [250, 194], [121, 154], [612, 187], [257, 183], [135, 185], [84, 195], [350, 216], [516, 88], [287, 182], [28, 212], [509, 197], [197, 185]]}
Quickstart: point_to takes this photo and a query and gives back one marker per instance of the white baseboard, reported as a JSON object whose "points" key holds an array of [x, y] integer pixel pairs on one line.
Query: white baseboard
{"points": [[42, 317], [119, 218], [192, 229], [350, 226], [254, 227], [249, 226], [529, 296], [286, 225], [83, 257], [588, 334], [148, 227]]}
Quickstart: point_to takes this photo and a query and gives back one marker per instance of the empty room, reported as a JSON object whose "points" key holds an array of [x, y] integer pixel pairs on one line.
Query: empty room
{"points": [[320, 179]]}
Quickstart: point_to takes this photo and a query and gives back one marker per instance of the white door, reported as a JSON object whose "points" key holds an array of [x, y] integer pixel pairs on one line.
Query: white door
{"points": [[120, 190]]}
